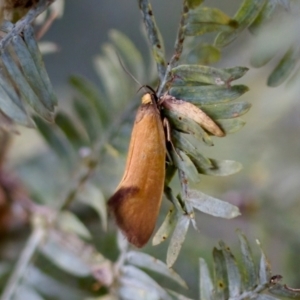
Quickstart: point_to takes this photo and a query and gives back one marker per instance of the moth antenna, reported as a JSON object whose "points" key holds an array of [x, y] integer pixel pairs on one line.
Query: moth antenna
{"points": [[126, 70]]}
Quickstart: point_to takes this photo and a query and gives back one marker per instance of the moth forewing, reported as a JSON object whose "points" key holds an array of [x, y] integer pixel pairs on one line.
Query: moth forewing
{"points": [[136, 202], [193, 112]]}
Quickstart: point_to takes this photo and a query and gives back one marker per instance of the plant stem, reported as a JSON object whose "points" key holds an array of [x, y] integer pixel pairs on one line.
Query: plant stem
{"points": [[23, 262], [27, 19]]}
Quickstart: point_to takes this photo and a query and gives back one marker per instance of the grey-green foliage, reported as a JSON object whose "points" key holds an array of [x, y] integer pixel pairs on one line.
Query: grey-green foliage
{"points": [[87, 133], [24, 83], [247, 280]]}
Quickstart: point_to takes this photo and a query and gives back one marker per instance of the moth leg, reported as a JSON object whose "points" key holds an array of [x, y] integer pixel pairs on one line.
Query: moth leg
{"points": [[167, 127]]}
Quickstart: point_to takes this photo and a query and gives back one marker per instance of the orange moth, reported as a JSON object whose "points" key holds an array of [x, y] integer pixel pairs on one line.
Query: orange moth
{"points": [[193, 112], [136, 202]]}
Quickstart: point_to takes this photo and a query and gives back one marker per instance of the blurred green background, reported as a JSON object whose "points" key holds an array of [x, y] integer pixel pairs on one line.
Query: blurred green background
{"points": [[267, 188]]}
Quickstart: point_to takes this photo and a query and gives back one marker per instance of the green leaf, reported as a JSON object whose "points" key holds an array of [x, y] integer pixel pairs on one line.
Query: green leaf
{"points": [[265, 297], [192, 4], [129, 52], [195, 29], [233, 274], [246, 14], [113, 78], [184, 124], [188, 144], [231, 125], [236, 72], [68, 222], [283, 291], [265, 14], [226, 110], [24, 88], [206, 19], [209, 94], [204, 54], [137, 275], [64, 259], [222, 168], [211, 16], [178, 296], [93, 197], [56, 141], [27, 292], [32, 74], [285, 67], [93, 96], [177, 239], [11, 106], [144, 260], [211, 205], [250, 275], [201, 74], [184, 163], [166, 227], [68, 126], [33, 48], [264, 268], [206, 285], [89, 120], [220, 272]]}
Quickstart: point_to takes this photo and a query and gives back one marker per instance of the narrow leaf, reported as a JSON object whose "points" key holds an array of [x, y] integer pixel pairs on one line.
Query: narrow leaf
{"points": [[132, 289], [264, 267], [250, 275], [265, 14], [265, 297], [186, 143], [201, 74], [233, 273], [93, 197], [236, 72], [231, 125], [144, 260], [89, 120], [185, 124], [222, 168], [32, 74], [220, 272], [206, 285], [93, 96], [68, 222], [166, 227], [246, 14], [184, 163], [68, 126], [192, 4], [211, 205], [178, 296], [195, 29], [204, 54], [27, 292], [284, 291], [177, 239], [285, 67], [211, 16], [33, 48], [64, 259], [56, 141], [134, 273], [209, 94], [24, 88], [226, 110], [9, 104]]}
